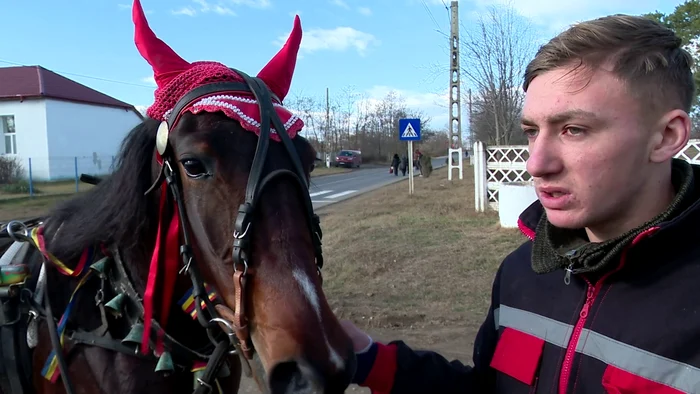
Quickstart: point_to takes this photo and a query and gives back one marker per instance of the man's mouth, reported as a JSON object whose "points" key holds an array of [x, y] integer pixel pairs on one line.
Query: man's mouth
{"points": [[554, 194]]}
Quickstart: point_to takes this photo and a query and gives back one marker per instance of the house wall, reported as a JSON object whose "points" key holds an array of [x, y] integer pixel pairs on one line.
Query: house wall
{"points": [[30, 128], [93, 134]]}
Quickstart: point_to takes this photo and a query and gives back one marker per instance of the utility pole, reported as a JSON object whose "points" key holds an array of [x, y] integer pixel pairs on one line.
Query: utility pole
{"points": [[455, 102], [328, 121], [470, 140]]}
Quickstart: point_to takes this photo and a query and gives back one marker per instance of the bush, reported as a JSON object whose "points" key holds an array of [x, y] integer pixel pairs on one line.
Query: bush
{"points": [[11, 170], [19, 187]]}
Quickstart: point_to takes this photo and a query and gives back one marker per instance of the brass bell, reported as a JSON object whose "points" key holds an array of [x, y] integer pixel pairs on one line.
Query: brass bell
{"points": [[134, 336], [165, 363], [197, 375], [100, 265], [116, 304], [224, 371]]}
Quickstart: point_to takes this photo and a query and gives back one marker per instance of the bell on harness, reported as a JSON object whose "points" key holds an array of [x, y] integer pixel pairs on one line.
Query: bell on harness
{"points": [[116, 304]]}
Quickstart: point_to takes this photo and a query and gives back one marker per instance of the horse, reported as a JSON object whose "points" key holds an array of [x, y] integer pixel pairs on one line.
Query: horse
{"points": [[200, 208]]}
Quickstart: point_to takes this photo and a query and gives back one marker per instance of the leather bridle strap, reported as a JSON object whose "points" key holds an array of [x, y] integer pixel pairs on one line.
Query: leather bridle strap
{"points": [[267, 115]]}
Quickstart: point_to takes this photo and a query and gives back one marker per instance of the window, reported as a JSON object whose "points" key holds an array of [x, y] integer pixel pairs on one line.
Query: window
{"points": [[7, 125]]}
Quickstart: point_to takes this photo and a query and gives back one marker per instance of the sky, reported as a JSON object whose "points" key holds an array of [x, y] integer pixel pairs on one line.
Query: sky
{"points": [[369, 46]]}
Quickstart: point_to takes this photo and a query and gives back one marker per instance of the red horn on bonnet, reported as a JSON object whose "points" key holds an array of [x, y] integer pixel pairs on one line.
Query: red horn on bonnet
{"points": [[165, 62], [277, 74]]}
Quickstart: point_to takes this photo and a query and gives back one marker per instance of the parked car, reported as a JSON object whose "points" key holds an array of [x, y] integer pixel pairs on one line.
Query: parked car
{"points": [[348, 158]]}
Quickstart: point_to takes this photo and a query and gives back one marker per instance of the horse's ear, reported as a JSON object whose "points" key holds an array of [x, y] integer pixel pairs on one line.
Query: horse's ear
{"points": [[165, 62], [278, 72]]}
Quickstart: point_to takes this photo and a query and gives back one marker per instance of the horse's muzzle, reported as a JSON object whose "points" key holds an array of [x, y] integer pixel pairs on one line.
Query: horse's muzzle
{"points": [[301, 377]]}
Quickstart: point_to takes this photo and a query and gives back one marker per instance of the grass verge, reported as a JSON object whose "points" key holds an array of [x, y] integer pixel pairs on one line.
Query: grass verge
{"points": [[419, 267]]}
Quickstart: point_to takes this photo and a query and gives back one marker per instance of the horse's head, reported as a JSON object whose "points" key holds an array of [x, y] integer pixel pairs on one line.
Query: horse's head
{"points": [[228, 157]]}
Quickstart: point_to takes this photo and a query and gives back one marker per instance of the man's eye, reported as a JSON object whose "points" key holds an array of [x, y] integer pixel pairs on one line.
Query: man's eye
{"points": [[575, 130], [530, 132]]}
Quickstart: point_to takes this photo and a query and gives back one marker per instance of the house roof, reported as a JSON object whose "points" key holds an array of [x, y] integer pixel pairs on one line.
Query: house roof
{"points": [[37, 82]]}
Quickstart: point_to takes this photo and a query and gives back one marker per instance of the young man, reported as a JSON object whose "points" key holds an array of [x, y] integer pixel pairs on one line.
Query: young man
{"points": [[604, 297]]}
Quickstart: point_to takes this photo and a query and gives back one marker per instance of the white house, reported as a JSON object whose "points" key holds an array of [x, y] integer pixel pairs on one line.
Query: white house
{"points": [[57, 124]]}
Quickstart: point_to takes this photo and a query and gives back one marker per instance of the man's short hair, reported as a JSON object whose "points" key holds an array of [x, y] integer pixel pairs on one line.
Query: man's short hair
{"points": [[644, 54]]}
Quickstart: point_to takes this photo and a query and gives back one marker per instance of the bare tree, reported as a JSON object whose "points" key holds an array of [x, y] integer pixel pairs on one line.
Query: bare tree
{"points": [[355, 122], [308, 109], [494, 53], [484, 123]]}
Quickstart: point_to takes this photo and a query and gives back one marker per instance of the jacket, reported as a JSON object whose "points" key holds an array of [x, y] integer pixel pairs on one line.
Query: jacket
{"points": [[633, 327]]}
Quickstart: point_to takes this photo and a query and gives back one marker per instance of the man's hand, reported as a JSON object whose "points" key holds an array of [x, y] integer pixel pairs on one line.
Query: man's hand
{"points": [[360, 340]]}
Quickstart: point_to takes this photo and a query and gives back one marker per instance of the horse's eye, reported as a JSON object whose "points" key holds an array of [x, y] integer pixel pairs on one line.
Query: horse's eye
{"points": [[194, 168]]}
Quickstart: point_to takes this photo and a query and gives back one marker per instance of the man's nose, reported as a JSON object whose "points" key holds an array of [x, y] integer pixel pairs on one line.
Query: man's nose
{"points": [[544, 157]]}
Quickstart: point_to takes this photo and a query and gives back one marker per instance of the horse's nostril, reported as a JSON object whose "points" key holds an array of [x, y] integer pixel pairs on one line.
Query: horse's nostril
{"points": [[291, 378]]}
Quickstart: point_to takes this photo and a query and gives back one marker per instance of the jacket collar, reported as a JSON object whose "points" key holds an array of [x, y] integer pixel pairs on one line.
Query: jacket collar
{"points": [[556, 248]]}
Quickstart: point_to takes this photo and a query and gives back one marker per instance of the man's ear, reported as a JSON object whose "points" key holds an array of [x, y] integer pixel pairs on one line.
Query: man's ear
{"points": [[671, 135]]}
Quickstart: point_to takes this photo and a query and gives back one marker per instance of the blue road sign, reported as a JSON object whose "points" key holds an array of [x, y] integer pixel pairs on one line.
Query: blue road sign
{"points": [[409, 129]]}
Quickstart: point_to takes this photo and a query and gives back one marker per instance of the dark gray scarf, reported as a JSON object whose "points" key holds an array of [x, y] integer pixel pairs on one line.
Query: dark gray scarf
{"points": [[556, 248]]}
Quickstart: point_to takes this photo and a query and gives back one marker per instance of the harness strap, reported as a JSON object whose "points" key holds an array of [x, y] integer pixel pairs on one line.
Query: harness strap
{"points": [[15, 363], [51, 370], [212, 369], [92, 339]]}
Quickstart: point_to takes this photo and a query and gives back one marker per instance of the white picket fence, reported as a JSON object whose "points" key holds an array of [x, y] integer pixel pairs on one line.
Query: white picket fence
{"points": [[495, 165]]}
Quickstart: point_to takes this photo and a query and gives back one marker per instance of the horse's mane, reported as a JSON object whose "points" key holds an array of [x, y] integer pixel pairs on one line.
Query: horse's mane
{"points": [[116, 211]]}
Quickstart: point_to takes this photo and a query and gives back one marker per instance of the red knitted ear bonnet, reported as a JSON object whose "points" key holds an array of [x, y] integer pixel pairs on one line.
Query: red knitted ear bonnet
{"points": [[175, 77]]}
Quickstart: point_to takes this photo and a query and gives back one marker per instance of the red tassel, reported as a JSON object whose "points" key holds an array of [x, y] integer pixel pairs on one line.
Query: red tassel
{"points": [[172, 263], [152, 275]]}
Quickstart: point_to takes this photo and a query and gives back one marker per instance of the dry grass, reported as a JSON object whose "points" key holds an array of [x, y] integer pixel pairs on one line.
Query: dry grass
{"points": [[415, 267], [61, 187], [26, 207]]}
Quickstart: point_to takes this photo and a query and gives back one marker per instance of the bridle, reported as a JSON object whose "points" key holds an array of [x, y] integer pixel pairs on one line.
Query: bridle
{"points": [[238, 334]]}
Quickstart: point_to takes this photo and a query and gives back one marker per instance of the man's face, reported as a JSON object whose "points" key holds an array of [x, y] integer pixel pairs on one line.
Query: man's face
{"points": [[589, 147]]}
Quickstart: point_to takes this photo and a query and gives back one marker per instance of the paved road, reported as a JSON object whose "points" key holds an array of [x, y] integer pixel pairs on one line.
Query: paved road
{"points": [[329, 189]]}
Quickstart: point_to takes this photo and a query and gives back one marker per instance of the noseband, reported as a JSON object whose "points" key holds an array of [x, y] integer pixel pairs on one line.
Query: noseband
{"points": [[238, 335]]}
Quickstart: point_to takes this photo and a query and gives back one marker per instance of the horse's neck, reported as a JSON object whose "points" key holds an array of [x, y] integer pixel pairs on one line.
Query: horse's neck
{"points": [[180, 324]]}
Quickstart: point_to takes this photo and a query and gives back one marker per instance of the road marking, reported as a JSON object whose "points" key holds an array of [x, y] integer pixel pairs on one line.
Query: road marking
{"points": [[340, 194], [320, 193]]}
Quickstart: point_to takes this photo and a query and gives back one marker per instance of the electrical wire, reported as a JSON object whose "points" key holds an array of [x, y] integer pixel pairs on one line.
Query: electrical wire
{"points": [[83, 76]]}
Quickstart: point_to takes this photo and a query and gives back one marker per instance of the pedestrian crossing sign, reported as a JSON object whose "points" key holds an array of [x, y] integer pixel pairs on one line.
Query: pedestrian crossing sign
{"points": [[409, 129]]}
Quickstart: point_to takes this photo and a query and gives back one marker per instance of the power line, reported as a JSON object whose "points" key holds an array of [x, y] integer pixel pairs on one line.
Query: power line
{"points": [[430, 14], [83, 76], [449, 13]]}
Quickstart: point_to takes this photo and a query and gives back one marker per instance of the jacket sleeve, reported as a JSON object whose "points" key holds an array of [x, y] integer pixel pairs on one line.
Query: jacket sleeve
{"points": [[395, 368]]}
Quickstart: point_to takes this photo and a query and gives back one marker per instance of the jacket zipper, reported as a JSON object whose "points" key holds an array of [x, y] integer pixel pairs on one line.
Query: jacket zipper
{"points": [[591, 293]]}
